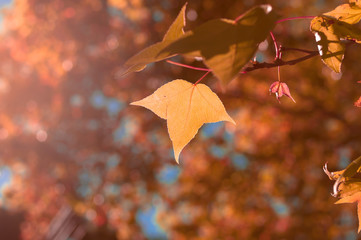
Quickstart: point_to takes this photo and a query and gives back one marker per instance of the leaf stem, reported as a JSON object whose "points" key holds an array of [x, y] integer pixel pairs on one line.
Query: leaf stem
{"points": [[187, 66], [279, 73], [294, 18], [279, 77], [199, 80], [276, 45], [279, 68], [237, 18]]}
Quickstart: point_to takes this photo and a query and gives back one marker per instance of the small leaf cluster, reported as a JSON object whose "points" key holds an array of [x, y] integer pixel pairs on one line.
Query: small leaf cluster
{"points": [[225, 46]]}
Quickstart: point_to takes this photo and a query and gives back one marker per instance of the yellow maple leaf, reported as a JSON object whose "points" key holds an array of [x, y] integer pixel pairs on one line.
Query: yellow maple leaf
{"points": [[186, 107], [351, 199]]}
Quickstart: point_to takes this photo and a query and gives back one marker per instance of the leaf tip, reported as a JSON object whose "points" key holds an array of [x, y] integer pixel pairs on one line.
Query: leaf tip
{"points": [[176, 156], [231, 121], [292, 98], [177, 149], [136, 103], [132, 68]]}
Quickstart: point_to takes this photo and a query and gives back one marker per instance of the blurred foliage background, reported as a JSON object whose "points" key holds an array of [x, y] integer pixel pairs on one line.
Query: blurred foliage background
{"points": [[70, 144]]}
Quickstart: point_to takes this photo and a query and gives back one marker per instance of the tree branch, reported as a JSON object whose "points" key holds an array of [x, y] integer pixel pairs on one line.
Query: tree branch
{"points": [[279, 62], [284, 49]]}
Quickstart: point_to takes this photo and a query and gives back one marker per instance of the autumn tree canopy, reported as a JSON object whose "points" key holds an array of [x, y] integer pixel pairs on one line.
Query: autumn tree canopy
{"points": [[72, 138]]}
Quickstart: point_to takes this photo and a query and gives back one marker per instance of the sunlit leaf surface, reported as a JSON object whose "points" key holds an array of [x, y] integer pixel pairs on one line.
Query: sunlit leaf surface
{"points": [[186, 107], [348, 13], [330, 47]]}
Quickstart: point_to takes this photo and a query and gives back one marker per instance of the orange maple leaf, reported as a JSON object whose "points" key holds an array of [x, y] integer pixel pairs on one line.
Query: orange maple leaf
{"points": [[351, 199], [186, 107]]}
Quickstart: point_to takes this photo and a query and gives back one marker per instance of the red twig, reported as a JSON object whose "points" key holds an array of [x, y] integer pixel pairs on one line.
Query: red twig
{"points": [[199, 80], [187, 66], [294, 18], [276, 45]]}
